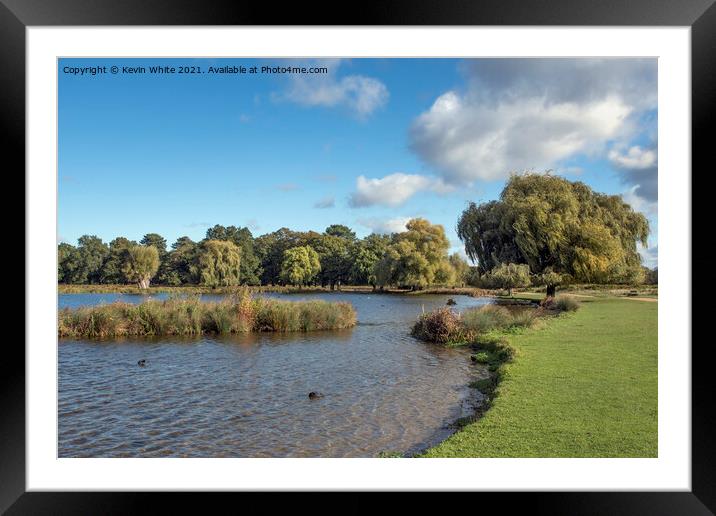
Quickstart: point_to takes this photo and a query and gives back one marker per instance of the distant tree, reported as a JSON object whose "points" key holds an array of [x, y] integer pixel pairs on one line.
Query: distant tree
{"points": [[69, 264], [474, 277], [365, 256], [242, 237], [179, 266], [652, 276], [334, 253], [113, 264], [339, 230], [300, 265], [461, 268], [92, 252], [445, 273], [218, 263], [270, 248], [141, 264], [547, 221], [416, 258], [511, 275], [156, 240]]}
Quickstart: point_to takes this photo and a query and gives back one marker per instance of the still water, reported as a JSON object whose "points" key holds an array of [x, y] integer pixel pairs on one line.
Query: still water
{"points": [[247, 396]]}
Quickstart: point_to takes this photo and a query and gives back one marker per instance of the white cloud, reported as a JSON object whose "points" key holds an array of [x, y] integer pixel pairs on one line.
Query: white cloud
{"points": [[326, 202], [360, 94], [519, 114], [639, 203], [395, 225], [393, 189], [635, 158], [639, 168]]}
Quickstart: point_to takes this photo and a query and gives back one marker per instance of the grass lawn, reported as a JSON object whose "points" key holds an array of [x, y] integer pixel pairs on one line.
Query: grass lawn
{"points": [[585, 385]]}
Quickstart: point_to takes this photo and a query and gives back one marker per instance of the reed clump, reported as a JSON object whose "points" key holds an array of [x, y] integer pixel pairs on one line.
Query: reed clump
{"points": [[239, 313], [446, 326]]}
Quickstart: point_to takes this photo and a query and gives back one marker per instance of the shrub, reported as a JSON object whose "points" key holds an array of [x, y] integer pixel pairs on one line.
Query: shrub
{"points": [[441, 325], [486, 318], [525, 318], [566, 303], [444, 325]]}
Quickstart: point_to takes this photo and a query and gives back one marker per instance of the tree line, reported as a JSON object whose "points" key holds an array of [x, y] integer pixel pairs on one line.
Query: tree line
{"points": [[230, 255], [543, 230]]}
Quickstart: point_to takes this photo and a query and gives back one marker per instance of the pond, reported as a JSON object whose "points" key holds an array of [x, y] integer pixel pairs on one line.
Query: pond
{"points": [[247, 395]]}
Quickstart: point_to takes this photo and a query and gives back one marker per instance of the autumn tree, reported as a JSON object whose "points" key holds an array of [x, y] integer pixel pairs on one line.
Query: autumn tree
{"points": [[546, 221]]}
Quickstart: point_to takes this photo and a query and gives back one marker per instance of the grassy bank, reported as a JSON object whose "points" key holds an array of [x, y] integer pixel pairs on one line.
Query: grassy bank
{"points": [[63, 288], [584, 384], [600, 290], [240, 313]]}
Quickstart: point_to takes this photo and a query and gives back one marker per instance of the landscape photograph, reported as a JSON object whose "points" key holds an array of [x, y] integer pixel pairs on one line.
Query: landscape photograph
{"points": [[357, 258]]}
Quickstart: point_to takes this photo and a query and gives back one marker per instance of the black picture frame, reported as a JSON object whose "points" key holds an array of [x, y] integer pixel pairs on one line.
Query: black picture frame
{"points": [[700, 15]]}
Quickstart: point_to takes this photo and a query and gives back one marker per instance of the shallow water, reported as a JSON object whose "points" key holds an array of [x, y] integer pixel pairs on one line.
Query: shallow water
{"points": [[247, 396]]}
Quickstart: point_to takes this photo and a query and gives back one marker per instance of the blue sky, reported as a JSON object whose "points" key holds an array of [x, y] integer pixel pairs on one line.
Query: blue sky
{"points": [[369, 144]]}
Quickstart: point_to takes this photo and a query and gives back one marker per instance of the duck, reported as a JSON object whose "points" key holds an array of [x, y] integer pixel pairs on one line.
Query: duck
{"points": [[142, 362], [314, 395]]}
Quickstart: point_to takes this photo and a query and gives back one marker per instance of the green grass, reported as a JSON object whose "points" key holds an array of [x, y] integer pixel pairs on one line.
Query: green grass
{"points": [[584, 385]]}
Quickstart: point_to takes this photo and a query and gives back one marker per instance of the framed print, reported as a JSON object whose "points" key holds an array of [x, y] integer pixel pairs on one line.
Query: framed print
{"points": [[416, 253]]}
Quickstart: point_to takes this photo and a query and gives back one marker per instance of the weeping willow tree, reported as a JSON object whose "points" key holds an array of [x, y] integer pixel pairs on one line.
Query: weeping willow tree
{"points": [[300, 265], [218, 263], [559, 228], [141, 264]]}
